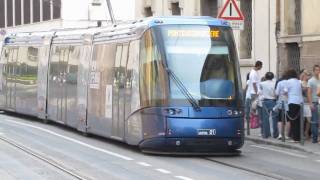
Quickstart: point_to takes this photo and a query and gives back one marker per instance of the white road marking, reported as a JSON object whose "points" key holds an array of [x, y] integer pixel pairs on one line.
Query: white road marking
{"points": [[280, 151], [163, 171], [74, 140], [144, 164], [182, 177]]}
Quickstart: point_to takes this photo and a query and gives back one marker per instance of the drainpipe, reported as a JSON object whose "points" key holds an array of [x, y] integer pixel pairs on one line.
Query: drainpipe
{"points": [[113, 20], [269, 35]]}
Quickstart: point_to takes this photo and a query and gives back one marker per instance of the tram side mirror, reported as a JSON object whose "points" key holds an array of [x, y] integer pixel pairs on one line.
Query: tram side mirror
{"points": [[217, 88]]}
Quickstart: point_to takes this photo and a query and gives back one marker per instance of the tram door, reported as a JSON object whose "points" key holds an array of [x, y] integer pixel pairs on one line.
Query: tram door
{"points": [[118, 110], [11, 69], [57, 105]]}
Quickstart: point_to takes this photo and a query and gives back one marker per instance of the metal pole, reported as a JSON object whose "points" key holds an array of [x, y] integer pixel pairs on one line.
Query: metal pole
{"points": [[248, 118], [113, 20], [248, 125], [283, 119], [301, 124]]}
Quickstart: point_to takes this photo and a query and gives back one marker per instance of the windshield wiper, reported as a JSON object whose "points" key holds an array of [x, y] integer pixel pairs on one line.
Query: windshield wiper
{"points": [[184, 90]]}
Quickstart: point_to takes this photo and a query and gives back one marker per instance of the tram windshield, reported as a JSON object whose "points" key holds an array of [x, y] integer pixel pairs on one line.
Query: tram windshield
{"points": [[203, 58]]}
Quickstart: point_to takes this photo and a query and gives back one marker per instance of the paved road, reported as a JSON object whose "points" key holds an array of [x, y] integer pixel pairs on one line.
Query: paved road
{"points": [[97, 158], [16, 164]]}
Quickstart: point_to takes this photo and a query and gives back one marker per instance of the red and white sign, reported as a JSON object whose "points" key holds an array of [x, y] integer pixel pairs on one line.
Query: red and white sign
{"points": [[232, 13]]}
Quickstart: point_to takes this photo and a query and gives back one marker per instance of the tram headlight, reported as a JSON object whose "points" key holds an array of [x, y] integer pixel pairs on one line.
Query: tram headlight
{"points": [[240, 112], [172, 111], [235, 112]]}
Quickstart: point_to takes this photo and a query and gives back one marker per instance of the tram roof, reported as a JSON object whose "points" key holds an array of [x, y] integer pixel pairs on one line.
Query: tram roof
{"points": [[187, 20], [121, 30], [136, 28]]}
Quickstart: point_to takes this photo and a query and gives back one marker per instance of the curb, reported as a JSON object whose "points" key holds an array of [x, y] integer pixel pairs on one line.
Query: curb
{"points": [[278, 144]]}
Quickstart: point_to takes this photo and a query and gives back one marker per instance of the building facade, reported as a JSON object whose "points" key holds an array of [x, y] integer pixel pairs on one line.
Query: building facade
{"points": [[45, 15], [299, 34], [15, 13], [256, 42]]}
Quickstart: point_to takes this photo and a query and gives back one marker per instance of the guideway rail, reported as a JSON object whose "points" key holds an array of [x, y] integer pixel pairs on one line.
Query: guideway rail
{"points": [[45, 159]]}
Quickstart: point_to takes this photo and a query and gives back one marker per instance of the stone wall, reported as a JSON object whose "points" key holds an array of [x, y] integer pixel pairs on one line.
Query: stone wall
{"points": [[310, 54]]}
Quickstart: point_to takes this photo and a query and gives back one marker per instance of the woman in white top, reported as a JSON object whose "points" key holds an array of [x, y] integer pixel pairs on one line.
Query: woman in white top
{"points": [[304, 77], [295, 99], [268, 102], [282, 105]]}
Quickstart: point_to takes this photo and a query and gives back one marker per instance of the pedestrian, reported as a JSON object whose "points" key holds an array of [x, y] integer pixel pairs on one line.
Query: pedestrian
{"points": [[247, 99], [282, 106], [268, 103], [304, 77], [260, 109], [253, 83], [295, 100], [254, 80], [313, 100]]}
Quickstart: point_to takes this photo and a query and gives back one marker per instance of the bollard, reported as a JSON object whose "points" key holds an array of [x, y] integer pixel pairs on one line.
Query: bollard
{"points": [[248, 124], [302, 124], [248, 118], [283, 119]]}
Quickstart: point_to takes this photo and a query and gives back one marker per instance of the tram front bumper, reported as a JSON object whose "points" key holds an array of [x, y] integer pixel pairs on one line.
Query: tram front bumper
{"points": [[191, 145]]}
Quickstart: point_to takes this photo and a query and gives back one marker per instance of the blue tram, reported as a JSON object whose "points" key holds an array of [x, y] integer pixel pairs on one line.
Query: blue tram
{"points": [[165, 84]]}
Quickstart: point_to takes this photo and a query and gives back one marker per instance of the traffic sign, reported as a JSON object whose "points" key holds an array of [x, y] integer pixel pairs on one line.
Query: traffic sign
{"points": [[232, 13]]}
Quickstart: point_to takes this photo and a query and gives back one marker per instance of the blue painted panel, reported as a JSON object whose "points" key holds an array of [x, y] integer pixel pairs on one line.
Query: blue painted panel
{"points": [[187, 127], [215, 112]]}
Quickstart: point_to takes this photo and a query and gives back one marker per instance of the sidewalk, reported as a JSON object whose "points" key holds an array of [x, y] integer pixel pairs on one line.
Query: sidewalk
{"points": [[307, 147]]}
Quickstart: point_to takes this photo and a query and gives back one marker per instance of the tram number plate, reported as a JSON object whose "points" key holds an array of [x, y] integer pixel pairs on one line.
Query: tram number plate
{"points": [[207, 132]]}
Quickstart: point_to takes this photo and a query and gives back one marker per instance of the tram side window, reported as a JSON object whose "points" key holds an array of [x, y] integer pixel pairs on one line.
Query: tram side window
{"points": [[11, 62], [72, 69], [3, 62], [54, 59], [101, 76], [59, 63], [4, 55], [27, 66], [152, 74]]}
